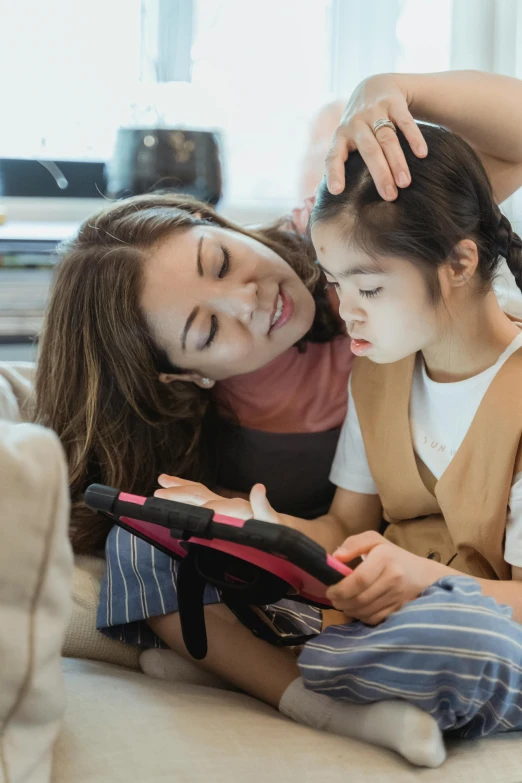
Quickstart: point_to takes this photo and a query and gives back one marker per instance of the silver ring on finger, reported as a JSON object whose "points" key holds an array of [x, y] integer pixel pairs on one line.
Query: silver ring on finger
{"points": [[384, 122]]}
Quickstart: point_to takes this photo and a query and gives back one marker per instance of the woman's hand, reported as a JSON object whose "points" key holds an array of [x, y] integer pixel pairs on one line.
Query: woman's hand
{"points": [[257, 507], [379, 97], [388, 578]]}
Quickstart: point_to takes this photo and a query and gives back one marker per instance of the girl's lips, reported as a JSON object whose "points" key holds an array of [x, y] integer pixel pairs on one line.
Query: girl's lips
{"points": [[360, 347], [286, 313]]}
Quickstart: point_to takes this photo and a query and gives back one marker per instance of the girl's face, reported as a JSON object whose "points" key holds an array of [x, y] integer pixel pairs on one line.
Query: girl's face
{"points": [[221, 303], [385, 304]]}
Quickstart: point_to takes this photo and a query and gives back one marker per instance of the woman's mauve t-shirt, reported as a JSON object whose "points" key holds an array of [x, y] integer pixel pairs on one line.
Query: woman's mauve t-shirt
{"points": [[289, 414]]}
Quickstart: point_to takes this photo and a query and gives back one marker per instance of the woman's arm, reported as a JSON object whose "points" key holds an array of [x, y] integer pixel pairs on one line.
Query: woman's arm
{"points": [[485, 109]]}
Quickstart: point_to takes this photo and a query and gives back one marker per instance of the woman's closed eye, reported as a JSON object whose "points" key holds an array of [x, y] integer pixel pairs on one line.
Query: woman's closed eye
{"points": [[214, 329], [225, 267]]}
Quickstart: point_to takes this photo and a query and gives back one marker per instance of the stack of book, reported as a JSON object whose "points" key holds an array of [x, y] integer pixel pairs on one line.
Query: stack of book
{"points": [[27, 264]]}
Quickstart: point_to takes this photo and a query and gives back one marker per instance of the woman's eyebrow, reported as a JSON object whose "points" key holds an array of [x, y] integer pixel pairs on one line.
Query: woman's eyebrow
{"points": [[198, 260]]}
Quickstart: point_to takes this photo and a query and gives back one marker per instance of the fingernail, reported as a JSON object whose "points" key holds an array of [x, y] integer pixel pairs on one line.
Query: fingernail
{"points": [[335, 186], [422, 149], [390, 192], [402, 179]]}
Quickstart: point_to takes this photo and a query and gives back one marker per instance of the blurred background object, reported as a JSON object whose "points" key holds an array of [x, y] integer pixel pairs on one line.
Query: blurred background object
{"points": [[256, 88], [144, 160]]}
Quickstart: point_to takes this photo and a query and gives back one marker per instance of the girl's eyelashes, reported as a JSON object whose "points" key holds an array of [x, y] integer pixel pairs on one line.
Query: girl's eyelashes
{"points": [[368, 294], [225, 268], [214, 328]]}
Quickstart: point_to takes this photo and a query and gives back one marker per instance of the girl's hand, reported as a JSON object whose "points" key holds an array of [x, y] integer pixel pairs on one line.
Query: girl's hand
{"points": [[379, 97], [388, 578], [196, 494]]}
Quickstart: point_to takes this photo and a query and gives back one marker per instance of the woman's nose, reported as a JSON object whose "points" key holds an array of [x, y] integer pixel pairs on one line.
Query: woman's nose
{"points": [[238, 301]]}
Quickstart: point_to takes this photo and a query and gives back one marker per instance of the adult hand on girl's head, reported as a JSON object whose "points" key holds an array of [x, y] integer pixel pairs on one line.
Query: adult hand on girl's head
{"points": [[388, 578], [379, 97]]}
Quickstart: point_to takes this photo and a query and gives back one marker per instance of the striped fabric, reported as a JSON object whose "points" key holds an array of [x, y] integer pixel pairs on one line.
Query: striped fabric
{"points": [[140, 582], [453, 652]]}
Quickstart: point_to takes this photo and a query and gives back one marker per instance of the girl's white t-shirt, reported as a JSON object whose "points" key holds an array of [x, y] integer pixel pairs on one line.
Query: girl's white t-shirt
{"points": [[440, 416]]}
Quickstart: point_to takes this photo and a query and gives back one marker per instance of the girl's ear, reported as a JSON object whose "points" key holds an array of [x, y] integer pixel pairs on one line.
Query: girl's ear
{"points": [[187, 377], [460, 267]]}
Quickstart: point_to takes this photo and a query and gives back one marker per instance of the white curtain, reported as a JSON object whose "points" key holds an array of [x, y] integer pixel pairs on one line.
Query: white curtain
{"points": [[487, 35]]}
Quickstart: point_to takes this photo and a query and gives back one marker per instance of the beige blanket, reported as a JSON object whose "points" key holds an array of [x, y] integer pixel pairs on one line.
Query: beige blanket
{"points": [[16, 385]]}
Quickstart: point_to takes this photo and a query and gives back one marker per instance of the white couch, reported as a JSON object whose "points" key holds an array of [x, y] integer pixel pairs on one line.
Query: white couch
{"points": [[119, 724]]}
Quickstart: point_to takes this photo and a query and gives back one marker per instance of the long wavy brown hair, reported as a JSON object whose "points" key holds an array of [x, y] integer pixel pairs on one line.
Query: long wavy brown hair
{"points": [[97, 380]]}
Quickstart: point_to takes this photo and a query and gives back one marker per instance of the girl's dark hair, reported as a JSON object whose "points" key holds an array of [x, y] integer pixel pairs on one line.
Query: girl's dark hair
{"points": [[97, 379], [449, 199]]}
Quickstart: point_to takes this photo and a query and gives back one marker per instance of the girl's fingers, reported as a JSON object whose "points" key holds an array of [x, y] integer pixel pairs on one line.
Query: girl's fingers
{"points": [[347, 591], [357, 545], [376, 594], [261, 508], [380, 614]]}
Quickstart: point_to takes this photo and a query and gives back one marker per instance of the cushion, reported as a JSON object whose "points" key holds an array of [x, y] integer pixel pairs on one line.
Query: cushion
{"points": [[16, 384], [82, 639], [35, 575], [124, 726]]}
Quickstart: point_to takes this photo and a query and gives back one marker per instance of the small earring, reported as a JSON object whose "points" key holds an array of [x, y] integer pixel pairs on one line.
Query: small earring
{"points": [[206, 382]]}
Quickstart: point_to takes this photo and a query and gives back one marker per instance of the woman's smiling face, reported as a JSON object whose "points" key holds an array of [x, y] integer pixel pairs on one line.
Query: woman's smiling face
{"points": [[220, 303]]}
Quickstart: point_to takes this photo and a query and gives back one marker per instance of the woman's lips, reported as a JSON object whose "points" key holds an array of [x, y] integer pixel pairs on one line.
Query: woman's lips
{"points": [[286, 312], [360, 347]]}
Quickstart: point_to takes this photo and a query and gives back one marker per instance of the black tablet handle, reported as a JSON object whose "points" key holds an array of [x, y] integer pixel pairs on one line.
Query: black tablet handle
{"points": [[186, 521]]}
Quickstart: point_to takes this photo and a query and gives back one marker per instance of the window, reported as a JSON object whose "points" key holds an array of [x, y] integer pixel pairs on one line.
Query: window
{"points": [[260, 72], [63, 65]]}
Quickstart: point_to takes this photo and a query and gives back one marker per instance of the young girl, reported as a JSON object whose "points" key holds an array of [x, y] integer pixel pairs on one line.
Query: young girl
{"points": [[432, 441]]}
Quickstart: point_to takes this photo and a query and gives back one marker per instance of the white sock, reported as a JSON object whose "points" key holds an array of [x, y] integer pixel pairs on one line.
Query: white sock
{"points": [[168, 665], [396, 725]]}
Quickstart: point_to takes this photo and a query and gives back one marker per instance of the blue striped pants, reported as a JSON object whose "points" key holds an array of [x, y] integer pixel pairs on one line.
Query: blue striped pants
{"points": [[453, 652]]}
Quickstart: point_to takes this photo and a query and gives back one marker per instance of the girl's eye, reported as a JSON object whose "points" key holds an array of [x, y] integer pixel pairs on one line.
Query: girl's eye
{"points": [[369, 294], [226, 263]]}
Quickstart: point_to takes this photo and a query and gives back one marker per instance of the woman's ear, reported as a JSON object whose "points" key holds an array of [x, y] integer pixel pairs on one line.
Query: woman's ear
{"points": [[187, 377], [461, 265]]}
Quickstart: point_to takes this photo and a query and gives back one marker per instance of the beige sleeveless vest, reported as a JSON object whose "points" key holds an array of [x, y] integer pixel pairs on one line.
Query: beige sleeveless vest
{"points": [[459, 520]]}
